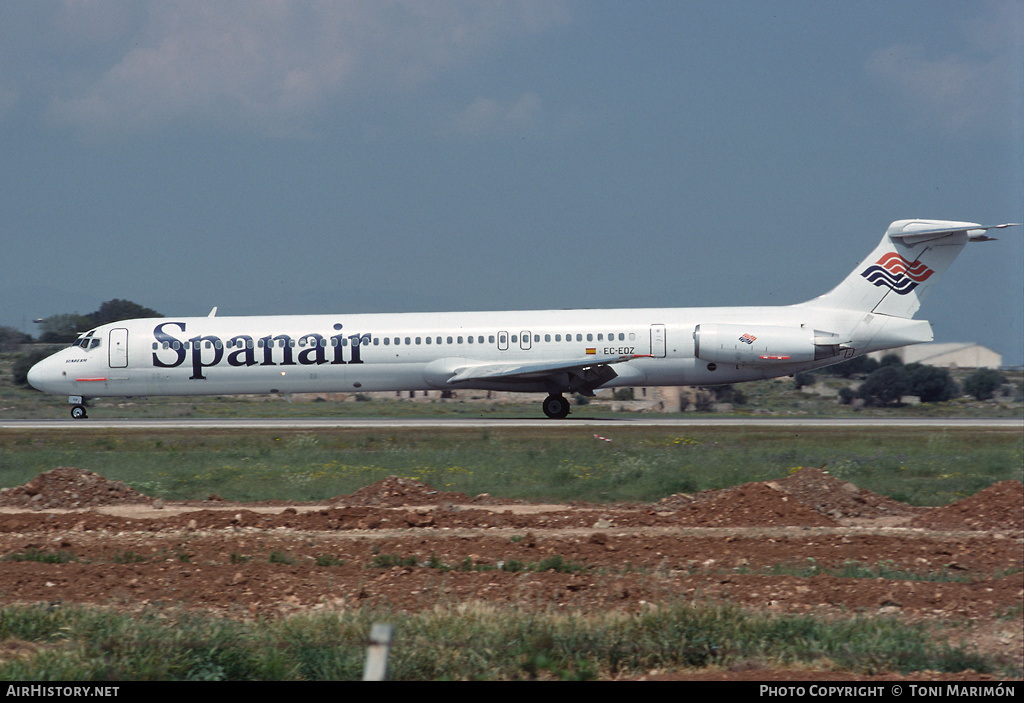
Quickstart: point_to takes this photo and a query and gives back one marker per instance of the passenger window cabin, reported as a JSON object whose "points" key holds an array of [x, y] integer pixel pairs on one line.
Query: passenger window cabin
{"points": [[88, 341]]}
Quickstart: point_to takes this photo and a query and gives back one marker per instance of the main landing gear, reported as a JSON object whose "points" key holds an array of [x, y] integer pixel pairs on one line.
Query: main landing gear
{"points": [[556, 407]]}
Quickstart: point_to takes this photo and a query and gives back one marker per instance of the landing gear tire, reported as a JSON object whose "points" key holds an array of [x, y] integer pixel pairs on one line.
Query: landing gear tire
{"points": [[556, 407], [78, 412]]}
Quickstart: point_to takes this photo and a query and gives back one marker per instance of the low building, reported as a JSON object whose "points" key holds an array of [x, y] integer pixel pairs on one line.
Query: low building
{"points": [[951, 355]]}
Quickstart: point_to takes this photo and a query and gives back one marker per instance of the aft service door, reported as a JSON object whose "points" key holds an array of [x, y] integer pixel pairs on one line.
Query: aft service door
{"points": [[118, 348], [658, 343]]}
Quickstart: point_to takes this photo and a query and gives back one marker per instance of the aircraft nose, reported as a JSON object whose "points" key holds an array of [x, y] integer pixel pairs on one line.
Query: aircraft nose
{"points": [[35, 376], [40, 376]]}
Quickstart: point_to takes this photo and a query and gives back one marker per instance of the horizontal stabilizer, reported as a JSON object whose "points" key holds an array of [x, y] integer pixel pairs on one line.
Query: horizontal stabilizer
{"points": [[906, 231]]}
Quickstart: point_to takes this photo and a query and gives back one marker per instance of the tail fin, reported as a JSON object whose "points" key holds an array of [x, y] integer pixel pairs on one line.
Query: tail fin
{"points": [[895, 278]]}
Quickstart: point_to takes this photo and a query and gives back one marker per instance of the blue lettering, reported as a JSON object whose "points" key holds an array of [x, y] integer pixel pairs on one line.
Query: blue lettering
{"points": [[286, 343], [211, 342], [316, 354], [357, 342], [246, 356], [338, 342], [163, 338], [208, 350]]}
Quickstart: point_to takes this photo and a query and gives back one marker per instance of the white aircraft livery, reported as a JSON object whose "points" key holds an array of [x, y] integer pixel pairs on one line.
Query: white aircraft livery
{"points": [[547, 351]]}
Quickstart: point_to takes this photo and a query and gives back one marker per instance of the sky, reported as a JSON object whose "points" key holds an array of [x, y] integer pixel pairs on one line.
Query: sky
{"points": [[276, 157]]}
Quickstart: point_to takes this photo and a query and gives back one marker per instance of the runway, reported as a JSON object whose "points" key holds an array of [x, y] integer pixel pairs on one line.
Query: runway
{"points": [[462, 422]]}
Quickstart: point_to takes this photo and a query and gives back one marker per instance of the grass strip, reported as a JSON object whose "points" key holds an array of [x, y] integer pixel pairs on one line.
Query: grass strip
{"points": [[467, 642], [914, 465]]}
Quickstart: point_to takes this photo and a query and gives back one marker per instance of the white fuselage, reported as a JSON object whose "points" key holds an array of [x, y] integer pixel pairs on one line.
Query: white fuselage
{"points": [[423, 351], [552, 351]]}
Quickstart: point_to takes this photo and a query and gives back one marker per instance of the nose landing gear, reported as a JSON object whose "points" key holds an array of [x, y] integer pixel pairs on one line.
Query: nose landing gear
{"points": [[77, 407]]}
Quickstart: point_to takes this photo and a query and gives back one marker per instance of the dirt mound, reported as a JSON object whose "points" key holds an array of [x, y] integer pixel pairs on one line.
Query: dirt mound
{"points": [[809, 498], [749, 505], [68, 487], [397, 491], [838, 499], [1000, 506]]}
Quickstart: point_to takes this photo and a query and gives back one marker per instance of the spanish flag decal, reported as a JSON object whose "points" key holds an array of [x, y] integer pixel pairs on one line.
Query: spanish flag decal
{"points": [[591, 350]]}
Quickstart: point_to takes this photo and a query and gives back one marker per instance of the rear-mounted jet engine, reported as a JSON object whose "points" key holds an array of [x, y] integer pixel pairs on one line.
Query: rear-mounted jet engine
{"points": [[761, 345]]}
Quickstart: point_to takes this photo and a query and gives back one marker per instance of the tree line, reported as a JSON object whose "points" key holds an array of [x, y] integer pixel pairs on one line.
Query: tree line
{"points": [[64, 328], [887, 381]]}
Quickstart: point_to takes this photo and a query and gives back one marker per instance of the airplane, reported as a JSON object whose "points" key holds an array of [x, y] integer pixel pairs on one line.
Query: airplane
{"points": [[545, 351]]}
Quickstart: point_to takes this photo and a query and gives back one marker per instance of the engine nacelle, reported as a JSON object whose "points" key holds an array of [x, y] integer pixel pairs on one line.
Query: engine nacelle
{"points": [[762, 345]]}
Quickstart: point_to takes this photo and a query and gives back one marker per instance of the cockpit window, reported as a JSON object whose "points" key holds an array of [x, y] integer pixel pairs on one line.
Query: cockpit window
{"points": [[87, 341]]}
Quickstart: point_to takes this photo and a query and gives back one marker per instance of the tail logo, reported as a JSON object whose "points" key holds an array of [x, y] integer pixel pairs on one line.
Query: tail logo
{"points": [[896, 273]]}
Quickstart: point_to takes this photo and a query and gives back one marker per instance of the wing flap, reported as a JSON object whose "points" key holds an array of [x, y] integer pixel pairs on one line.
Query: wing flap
{"points": [[534, 370]]}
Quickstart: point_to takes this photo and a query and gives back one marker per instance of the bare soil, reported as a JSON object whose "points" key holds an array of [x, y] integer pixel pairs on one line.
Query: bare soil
{"points": [[764, 546]]}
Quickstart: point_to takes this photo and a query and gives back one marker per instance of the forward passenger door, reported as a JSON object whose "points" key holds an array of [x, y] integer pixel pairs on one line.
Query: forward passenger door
{"points": [[118, 354]]}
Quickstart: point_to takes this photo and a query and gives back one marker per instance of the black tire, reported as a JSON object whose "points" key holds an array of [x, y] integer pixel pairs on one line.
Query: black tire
{"points": [[556, 407], [78, 412]]}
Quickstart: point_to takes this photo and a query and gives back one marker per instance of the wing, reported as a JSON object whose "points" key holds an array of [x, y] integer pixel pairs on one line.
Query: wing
{"points": [[588, 372]]}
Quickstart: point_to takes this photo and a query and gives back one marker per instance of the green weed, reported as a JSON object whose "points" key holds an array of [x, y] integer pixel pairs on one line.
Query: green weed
{"points": [[43, 556], [462, 643], [329, 560], [387, 561], [278, 557], [128, 557]]}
